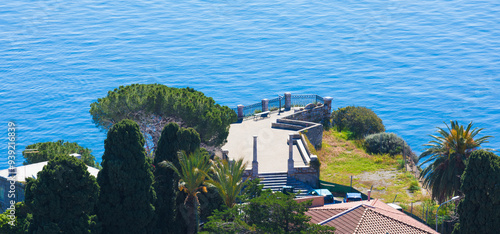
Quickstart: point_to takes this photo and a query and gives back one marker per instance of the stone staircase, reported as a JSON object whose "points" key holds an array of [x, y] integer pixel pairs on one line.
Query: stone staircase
{"points": [[276, 181]]}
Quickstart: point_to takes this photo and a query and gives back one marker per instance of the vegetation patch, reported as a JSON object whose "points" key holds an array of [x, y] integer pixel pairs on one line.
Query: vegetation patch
{"points": [[342, 158], [359, 121]]}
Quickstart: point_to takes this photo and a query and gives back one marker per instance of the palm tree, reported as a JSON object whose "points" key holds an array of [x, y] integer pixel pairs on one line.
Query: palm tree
{"points": [[447, 155], [192, 171], [227, 179]]}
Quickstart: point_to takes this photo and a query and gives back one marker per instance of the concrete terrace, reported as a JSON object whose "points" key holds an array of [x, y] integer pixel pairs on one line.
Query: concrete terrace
{"points": [[272, 147]]}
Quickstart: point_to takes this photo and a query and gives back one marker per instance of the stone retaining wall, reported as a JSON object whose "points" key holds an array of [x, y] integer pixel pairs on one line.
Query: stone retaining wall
{"points": [[314, 134], [248, 174], [313, 131], [308, 175], [316, 114]]}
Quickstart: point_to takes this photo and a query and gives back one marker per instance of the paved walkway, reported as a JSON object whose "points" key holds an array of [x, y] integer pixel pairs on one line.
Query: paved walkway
{"points": [[272, 147]]}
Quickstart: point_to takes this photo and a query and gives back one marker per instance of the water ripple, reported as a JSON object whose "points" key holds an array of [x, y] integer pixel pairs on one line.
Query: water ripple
{"points": [[415, 63]]}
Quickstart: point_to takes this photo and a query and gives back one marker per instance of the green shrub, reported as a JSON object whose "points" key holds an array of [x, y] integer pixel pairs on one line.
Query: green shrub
{"points": [[384, 143], [387, 143], [401, 164], [326, 124], [361, 121], [378, 160], [414, 186]]}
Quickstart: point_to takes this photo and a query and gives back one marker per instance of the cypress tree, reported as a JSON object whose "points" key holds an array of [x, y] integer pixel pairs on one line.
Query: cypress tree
{"points": [[126, 179], [63, 198], [169, 204], [478, 211]]}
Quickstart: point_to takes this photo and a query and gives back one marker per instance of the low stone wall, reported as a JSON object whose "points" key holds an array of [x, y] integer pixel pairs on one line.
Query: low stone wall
{"points": [[316, 200], [314, 134], [248, 174], [308, 175], [313, 131], [316, 115]]}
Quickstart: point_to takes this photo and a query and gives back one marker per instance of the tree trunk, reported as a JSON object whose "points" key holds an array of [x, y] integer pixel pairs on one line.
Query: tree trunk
{"points": [[192, 215]]}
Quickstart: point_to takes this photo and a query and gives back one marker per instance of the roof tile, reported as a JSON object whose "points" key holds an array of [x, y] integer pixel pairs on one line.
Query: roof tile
{"points": [[366, 217]]}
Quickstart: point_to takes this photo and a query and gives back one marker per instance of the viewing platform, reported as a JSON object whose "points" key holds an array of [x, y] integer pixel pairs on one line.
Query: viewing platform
{"points": [[272, 147], [274, 143]]}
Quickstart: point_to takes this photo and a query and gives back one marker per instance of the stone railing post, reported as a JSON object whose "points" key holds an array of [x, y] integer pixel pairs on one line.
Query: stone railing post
{"points": [[240, 112], [225, 154], [290, 155], [288, 101], [255, 163], [265, 104], [328, 103]]}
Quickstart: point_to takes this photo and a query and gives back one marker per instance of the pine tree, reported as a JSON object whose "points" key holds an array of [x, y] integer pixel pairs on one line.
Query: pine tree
{"points": [[126, 179], [63, 198], [173, 139], [478, 211], [153, 106], [45, 151]]}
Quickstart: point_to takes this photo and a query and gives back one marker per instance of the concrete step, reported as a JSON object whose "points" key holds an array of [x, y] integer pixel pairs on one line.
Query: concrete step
{"points": [[286, 126], [273, 178], [274, 188], [276, 181], [303, 124], [270, 175]]}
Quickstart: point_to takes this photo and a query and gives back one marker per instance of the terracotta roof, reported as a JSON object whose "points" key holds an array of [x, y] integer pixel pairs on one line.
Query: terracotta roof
{"points": [[320, 215], [366, 217]]}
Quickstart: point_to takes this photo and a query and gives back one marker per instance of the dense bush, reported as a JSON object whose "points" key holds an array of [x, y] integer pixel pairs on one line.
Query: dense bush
{"points": [[268, 213], [387, 143], [46, 151], [21, 223], [62, 198], [361, 121]]}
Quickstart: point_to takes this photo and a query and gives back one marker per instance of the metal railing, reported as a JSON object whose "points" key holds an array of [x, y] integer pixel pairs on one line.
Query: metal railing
{"points": [[252, 109], [274, 104], [303, 100]]}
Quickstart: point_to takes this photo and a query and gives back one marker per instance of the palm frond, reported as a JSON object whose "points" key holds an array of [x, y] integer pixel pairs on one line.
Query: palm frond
{"points": [[446, 155]]}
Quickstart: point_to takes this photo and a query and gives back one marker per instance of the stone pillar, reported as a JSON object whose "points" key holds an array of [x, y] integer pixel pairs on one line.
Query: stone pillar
{"points": [[240, 112], [288, 101], [255, 163], [265, 104], [225, 154], [290, 154], [328, 103]]}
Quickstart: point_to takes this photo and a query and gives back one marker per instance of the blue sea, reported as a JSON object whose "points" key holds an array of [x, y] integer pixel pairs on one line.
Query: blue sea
{"points": [[415, 63]]}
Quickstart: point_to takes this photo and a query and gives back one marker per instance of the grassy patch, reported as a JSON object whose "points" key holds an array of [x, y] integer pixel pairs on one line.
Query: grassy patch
{"points": [[311, 148], [342, 158]]}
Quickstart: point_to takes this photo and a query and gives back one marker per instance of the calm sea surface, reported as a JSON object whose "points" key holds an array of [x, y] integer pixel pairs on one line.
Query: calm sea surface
{"points": [[415, 63]]}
